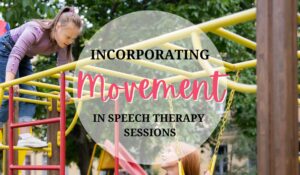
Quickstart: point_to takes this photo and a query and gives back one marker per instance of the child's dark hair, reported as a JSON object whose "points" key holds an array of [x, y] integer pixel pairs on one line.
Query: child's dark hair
{"points": [[65, 15]]}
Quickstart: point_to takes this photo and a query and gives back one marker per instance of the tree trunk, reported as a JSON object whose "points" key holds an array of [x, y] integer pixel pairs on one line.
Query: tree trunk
{"points": [[84, 150]]}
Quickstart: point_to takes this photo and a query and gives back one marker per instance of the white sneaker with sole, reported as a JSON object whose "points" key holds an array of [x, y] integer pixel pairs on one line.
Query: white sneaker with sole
{"points": [[28, 140]]}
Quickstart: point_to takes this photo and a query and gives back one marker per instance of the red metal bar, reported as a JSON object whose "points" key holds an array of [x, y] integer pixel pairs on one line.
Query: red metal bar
{"points": [[117, 140], [62, 123], [38, 122], [10, 130], [34, 167]]}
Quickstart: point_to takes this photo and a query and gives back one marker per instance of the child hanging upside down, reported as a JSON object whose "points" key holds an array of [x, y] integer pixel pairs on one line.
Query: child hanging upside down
{"points": [[19, 45]]}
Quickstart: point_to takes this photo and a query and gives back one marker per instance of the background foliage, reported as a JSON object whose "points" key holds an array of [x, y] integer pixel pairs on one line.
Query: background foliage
{"points": [[99, 12]]}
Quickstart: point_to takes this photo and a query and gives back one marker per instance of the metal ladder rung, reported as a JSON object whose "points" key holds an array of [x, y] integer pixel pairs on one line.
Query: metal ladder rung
{"points": [[34, 167], [37, 122]]}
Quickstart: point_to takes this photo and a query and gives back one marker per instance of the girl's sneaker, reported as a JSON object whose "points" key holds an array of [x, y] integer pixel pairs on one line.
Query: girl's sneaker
{"points": [[28, 140]]}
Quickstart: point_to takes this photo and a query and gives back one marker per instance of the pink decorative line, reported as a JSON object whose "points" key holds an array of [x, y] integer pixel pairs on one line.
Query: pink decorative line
{"points": [[117, 139]]}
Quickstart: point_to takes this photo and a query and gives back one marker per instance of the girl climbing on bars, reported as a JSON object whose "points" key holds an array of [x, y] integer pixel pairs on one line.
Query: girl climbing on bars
{"points": [[19, 45]]}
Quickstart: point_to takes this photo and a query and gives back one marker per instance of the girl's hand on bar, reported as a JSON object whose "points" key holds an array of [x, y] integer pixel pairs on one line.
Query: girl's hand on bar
{"points": [[68, 97], [9, 76], [16, 90]]}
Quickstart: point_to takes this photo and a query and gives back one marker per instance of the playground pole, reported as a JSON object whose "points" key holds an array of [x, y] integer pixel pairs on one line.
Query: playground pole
{"points": [[10, 129], [277, 121], [52, 130], [62, 123], [117, 139]]}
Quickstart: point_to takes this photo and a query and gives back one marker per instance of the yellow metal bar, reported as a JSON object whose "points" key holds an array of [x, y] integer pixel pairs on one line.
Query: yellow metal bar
{"points": [[114, 73], [53, 87], [49, 86], [35, 93], [41, 94], [97, 95], [160, 67], [75, 118], [211, 59], [239, 39], [56, 87], [92, 158], [76, 79], [69, 78], [232, 19], [203, 73], [236, 38], [197, 45], [41, 74], [207, 67], [29, 100], [4, 163], [245, 64]]}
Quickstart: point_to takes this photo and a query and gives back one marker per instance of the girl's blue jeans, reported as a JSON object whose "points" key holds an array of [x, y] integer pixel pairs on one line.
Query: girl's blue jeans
{"points": [[26, 110]]}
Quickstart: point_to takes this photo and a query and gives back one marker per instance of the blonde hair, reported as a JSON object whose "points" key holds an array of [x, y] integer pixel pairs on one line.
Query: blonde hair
{"points": [[65, 15]]}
